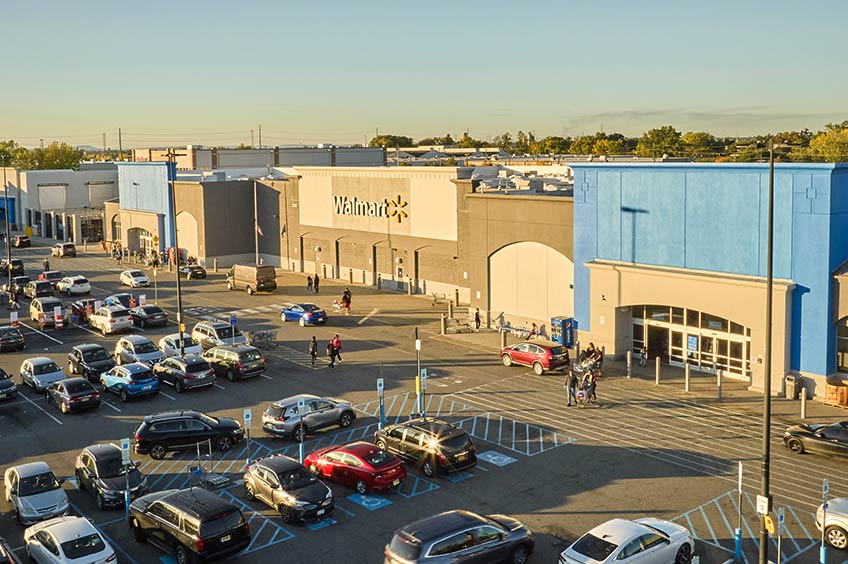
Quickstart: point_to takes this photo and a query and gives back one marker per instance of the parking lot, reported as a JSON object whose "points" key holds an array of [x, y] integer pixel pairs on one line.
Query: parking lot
{"points": [[646, 450]]}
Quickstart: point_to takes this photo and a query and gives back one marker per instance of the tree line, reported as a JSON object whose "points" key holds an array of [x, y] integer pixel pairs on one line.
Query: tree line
{"points": [[54, 156], [827, 145]]}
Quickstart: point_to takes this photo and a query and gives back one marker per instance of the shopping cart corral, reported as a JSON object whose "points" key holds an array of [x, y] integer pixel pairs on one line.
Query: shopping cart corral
{"points": [[199, 474], [263, 339]]}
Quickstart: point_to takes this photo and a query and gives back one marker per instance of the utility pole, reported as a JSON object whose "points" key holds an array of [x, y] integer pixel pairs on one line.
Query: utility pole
{"points": [[6, 214], [42, 143], [104, 144], [251, 138], [172, 175], [120, 146], [256, 221], [260, 135]]}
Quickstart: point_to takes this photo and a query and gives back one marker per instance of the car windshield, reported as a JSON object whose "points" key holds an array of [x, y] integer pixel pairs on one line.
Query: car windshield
{"points": [[4, 375], [37, 484], [557, 351], [228, 332], [80, 280], [298, 477], [311, 307], [187, 341], [79, 387], [46, 368], [150, 310], [142, 375], [110, 467], [147, 347], [379, 458], [197, 367], [593, 547], [96, 354], [456, 442], [250, 355], [136, 273], [7, 333], [81, 547], [221, 523]]}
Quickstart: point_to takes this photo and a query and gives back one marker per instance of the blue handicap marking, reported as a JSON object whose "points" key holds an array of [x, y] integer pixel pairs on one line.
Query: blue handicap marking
{"points": [[369, 502], [496, 458], [320, 523], [459, 476], [73, 482], [168, 560]]}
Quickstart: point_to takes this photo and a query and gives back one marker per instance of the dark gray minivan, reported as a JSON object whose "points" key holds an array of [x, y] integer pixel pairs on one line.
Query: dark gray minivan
{"points": [[252, 277]]}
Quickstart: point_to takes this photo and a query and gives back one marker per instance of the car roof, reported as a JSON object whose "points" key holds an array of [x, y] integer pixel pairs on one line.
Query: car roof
{"points": [[47, 299], [279, 463], [73, 381], [171, 414], [235, 348], [136, 339], [32, 469], [119, 295], [190, 358], [132, 271], [214, 324], [197, 501], [37, 360], [435, 426], [436, 526], [105, 450], [70, 527], [359, 448], [176, 336], [113, 308], [135, 367], [90, 347], [619, 531], [294, 399]]}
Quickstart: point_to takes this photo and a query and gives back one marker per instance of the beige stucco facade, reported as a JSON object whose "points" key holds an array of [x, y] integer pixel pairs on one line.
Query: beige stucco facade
{"points": [[615, 287]]}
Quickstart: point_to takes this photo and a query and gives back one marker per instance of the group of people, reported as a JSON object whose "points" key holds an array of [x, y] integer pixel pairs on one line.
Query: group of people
{"points": [[313, 284], [334, 350], [585, 387], [345, 301]]}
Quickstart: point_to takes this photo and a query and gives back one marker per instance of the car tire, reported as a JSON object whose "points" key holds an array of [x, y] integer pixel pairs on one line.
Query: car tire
{"points": [[158, 451], [231, 376], [225, 443], [137, 531], [71, 369], [142, 324], [178, 386], [506, 360], [361, 487], [538, 369], [313, 468], [283, 318], [248, 492], [836, 537], [345, 420], [684, 554], [101, 503], [125, 397], [250, 290], [429, 468], [103, 330], [63, 407], [519, 555], [287, 513], [229, 286], [381, 444], [300, 432], [182, 555], [80, 483], [795, 445]]}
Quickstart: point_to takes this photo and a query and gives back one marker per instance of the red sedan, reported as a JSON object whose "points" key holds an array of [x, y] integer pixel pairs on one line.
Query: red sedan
{"points": [[360, 465], [539, 356]]}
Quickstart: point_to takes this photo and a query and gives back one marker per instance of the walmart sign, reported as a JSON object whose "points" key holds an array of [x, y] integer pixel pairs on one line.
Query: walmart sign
{"points": [[385, 208]]}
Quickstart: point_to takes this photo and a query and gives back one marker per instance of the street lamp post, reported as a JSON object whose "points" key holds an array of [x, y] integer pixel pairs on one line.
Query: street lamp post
{"points": [[8, 233], [172, 173], [766, 449]]}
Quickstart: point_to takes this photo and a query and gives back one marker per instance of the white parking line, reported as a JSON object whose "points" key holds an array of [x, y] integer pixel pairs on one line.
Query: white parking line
{"points": [[42, 333], [41, 408], [266, 377], [84, 328], [219, 386], [110, 405], [172, 398], [371, 313]]}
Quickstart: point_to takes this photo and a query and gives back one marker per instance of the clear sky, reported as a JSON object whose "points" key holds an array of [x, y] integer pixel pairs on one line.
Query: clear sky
{"points": [[207, 72]]}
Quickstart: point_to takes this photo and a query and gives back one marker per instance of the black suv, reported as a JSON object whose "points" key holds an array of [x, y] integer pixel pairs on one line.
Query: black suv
{"points": [[90, 360], [286, 485], [17, 267], [100, 471], [11, 339], [434, 445], [177, 430], [240, 361], [17, 286], [184, 372], [192, 524]]}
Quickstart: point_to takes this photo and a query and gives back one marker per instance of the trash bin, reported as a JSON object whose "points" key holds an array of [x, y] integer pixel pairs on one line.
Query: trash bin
{"points": [[794, 385]]}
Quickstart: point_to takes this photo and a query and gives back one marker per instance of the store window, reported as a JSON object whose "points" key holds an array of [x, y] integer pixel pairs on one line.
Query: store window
{"points": [[842, 347]]}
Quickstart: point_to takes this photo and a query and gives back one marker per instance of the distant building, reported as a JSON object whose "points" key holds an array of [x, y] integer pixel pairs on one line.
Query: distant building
{"points": [[203, 158]]}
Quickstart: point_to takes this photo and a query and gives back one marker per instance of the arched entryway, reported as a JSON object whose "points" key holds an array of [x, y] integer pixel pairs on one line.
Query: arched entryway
{"points": [[842, 346], [115, 233], [187, 233], [139, 239], [530, 280]]}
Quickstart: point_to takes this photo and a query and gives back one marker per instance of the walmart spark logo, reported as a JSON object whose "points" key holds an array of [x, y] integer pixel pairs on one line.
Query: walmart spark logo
{"points": [[397, 209]]}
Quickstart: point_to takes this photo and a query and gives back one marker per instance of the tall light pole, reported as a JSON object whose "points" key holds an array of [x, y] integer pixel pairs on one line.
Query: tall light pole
{"points": [[255, 221], [172, 174], [6, 214], [766, 450]]}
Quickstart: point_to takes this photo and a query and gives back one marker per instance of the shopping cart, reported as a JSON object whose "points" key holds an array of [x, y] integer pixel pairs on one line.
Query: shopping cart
{"points": [[263, 339]]}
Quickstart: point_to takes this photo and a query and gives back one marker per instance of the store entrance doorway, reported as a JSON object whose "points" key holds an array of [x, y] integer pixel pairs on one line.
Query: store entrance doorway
{"points": [[658, 342]]}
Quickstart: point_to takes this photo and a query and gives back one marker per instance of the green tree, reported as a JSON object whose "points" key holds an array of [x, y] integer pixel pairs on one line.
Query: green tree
{"points": [[8, 150], [831, 145], [608, 147], [522, 143], [660, 141], [447, 141], [468, 142], [582, 145], [391, 141], [552, 145], [503, 141], [700, 144]]}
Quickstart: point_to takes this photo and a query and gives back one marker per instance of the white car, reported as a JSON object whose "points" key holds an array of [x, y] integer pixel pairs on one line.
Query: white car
{"points": [[73, 286], [66, 540], [170, 345], [110, 319], [643, 541], [134, 279], [836, 527]]}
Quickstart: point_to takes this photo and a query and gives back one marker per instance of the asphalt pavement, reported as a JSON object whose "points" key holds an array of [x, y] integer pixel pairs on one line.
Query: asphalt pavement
{"points": [[643, 450]]}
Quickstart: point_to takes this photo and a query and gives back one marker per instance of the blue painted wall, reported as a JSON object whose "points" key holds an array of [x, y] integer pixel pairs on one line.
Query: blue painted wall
{"points": [[714, 217], [7, 207], [144, 187]]}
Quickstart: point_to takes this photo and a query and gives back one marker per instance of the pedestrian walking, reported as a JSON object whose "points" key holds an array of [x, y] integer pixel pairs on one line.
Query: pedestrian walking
{"points": [[317, 281], [337, 344], [643, 356], [477, 319], [346, 301], [46, 265], [313, 349], [331, 352], [572, 381], [308, 284], [532, 333], [593, 384]]}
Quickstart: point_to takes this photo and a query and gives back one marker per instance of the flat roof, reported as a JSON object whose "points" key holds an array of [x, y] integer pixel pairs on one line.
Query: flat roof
{"points": [[740, 166]]}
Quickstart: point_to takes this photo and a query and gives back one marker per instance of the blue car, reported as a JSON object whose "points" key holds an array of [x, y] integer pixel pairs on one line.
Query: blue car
{"points": [[304, 314], [130, 381]]}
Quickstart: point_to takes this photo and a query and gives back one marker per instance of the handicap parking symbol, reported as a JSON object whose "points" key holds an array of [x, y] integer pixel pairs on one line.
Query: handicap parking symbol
{"points": [[320, 523], [369, 502], [496, 458]]}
